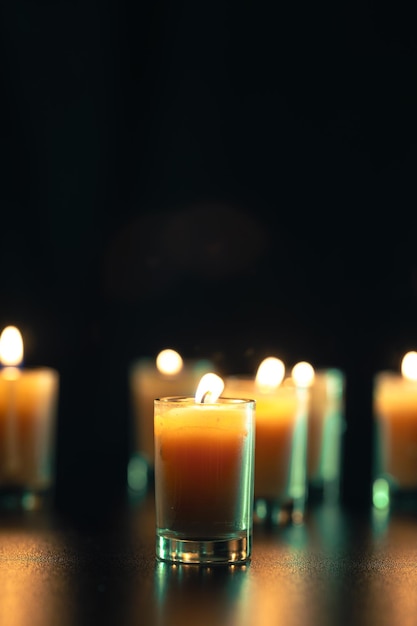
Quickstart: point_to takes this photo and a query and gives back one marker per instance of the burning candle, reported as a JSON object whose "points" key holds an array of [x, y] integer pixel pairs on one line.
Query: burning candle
{"points": [[279, 469], [204, 463], [167, 375], [28, 402], [395, 412]]}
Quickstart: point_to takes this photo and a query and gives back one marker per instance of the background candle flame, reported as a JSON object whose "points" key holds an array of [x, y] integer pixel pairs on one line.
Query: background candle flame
{"points": [[409, 366], [169, 362], [303, 374], [11, 346], [209, 388], [270, 372]]}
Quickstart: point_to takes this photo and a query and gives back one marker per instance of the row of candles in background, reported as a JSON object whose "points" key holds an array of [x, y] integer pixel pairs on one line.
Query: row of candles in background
{"points": [[300, 420], [299, 426]]}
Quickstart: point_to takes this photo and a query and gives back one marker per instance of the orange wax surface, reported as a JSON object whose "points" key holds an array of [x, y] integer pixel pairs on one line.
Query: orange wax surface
{"points": [[199, 451], [395, 408], [276, 414], [27, 426]]}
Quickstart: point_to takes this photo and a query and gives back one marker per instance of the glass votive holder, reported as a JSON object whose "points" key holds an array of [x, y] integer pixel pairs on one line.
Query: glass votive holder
{"points": [[147, 382], [28, 414], [395, 442], [280, 487], [326, 425], [204, 472]]}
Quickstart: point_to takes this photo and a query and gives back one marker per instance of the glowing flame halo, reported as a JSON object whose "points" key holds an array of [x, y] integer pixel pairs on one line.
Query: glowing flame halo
{"points": [[169, 362], [303, 374], [409, 366], [270, 373], [11, 346]]}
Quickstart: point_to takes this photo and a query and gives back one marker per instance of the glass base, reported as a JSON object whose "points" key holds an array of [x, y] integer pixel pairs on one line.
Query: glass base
{"points": [[202, 551], [273, 513], [18, 499]]}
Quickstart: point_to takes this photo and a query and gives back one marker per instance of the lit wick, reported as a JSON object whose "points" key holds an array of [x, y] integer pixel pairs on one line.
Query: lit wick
{"points": [[209, 389]]}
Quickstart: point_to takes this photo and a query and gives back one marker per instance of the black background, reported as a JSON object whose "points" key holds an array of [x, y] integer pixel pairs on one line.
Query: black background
{"points": [[231, 179]]}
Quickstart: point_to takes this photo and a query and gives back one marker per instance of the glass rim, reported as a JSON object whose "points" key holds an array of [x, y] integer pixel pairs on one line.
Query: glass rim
{"points": [[191, 400]]}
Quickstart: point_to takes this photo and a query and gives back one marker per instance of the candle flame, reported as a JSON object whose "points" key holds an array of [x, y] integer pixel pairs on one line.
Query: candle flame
{"points": [[11, 346], [169, 362], [209, 388], [409, 366], [270, 373], [303, 374]]}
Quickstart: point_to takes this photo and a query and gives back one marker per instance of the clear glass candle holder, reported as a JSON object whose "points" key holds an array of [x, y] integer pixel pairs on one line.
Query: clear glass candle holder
{"points": [[326, 425], [28, 412], [204, 473], [395, 442]]}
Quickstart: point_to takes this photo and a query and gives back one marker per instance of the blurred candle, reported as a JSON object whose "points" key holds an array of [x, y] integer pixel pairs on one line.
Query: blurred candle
{"points": [[167, 375], [395, 412], [204, 475], [28, 403], [277, 498], [303, 376]]}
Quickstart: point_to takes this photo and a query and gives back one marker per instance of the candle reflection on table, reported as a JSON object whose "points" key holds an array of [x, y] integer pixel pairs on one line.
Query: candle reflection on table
{"points": [[182, 589]]}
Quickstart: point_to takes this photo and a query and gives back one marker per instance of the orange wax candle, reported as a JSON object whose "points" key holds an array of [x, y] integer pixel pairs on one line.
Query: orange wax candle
{"points": [[202, 488], [395, 409], [276, 414], [28, 399], [27, 408]]}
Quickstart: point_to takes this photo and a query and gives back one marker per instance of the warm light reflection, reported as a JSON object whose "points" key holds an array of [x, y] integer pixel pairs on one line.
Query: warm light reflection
{"points": [[390, 590], [169, 362], [303, 374], [209, 388], [31, 570], [409, 365], [187, 594], [270, 373], [11, 346]]}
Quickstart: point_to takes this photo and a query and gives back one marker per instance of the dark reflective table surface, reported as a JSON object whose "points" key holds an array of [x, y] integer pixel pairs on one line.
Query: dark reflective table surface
{"points": [[338, 567]]}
